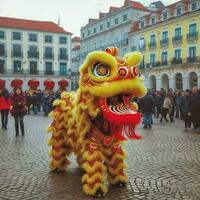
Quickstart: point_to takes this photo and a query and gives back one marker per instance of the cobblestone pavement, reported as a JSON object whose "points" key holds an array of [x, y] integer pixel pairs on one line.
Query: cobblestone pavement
{"points": [[165, 164]]}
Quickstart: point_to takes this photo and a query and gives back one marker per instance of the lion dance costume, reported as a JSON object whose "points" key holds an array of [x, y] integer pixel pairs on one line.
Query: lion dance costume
{"points": [[94, 121]]}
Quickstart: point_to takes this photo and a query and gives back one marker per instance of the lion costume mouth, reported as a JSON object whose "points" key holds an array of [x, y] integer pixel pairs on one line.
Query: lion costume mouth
{"points": [[120, 117]]}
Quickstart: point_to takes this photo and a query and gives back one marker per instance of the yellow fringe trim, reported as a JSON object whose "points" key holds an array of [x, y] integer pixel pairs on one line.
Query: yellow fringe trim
{"points": [[90, 157], [92, 191], [87, 179], [115, 171], [94, 168], [116, 157]]}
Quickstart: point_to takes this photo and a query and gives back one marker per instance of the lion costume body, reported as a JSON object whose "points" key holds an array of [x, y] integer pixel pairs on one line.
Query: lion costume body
{"points": [[93, 121]]}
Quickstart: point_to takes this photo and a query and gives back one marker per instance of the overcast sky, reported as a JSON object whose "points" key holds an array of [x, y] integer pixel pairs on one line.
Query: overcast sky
{"points": [[73, 13]]}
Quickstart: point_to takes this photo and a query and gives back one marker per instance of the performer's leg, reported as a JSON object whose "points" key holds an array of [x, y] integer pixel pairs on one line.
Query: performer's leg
{"points": [[94, 170], [115, 156]]}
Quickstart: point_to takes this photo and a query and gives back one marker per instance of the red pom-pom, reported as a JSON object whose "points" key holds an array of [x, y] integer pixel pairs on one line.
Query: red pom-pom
{"points": [[63, 83], [49, 84], [16, 83], [33, 83]]}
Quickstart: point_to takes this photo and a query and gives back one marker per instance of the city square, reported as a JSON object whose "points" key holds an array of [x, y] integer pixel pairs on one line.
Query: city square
{"points": [[164, 164], [86, 83]]}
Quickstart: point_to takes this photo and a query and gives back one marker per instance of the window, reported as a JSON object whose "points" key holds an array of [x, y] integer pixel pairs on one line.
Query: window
{"points": [[33, 37], [153, 20], [17, 50], [142, 44], [16, 36], [101, 27], [116, 20], [88, 32], [94, 30], [153, 59], [177, 32], [63, 68], [192, 28], [177, 53], [48, 52], [2, 50], [178, 11], [33, 67], [33, 52], [165, 15], [2, 66], [192, 52], [152, 39], [108, 24], [49, 69], [83, 35], [142, 24], [164, 56], [2, 36], [17, 66], [165, 35], [62, 40], [63, 53], [48, 38], [125, 17], [193, 6]]}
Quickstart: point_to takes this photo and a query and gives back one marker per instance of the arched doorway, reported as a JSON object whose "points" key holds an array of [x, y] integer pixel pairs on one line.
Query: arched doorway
{"points": [[193, 79], [153, 82], [165, 81], [179, 81]]}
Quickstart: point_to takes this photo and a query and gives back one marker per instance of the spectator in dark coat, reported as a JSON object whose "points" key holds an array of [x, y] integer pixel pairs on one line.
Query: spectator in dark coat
{"points": [[158, 103], [186, 109], [146, 106], [195, 107], [18, 109], [5, 105]]}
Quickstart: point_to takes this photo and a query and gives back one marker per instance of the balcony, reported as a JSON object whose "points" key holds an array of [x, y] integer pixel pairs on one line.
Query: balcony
{"points": [[48, 56], [192, 36], [164, 42], [152, 45], [193, 59], [34, 71], [3, 54], [142, 47], [17, 54], [49, 72], [33, 54], [63, 57], [176, 61], [177, 39], [164, 63]]}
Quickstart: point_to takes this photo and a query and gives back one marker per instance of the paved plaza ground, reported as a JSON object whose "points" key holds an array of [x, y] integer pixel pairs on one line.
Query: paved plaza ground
{"points": [[165, 164]]}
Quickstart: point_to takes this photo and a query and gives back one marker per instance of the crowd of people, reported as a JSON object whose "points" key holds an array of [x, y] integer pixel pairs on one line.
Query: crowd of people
{"points": [[165, 105], [168, 105], [20, 103]]}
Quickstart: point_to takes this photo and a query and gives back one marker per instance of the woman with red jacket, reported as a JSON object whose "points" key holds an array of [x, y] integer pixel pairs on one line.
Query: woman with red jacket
{"points": [[5, 105], [18, 109]]}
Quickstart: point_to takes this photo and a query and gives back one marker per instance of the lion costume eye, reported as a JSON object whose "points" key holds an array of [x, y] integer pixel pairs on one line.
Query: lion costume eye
{"points": [[101, 70]]}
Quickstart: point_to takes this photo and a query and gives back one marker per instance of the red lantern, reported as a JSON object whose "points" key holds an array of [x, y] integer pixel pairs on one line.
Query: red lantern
{"points": [[16, 83], [2, 84], [63, 83], [33, 83], [49, 84]]}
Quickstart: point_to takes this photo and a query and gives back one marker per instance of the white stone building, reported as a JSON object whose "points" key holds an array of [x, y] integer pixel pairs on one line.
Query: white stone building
{"points": [[34, 49], [111, 28]]}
